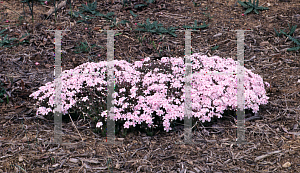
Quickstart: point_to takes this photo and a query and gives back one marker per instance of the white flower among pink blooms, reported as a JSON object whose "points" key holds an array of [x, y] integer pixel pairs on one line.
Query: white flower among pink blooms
{"points": [[99, 124], [146, 88]]}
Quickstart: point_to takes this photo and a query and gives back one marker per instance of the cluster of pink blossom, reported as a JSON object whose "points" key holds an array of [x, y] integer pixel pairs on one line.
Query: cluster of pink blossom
{"points": [[150, 87]]}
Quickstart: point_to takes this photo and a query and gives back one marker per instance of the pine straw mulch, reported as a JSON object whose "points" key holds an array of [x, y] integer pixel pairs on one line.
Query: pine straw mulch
{"points": [[273, 140]]}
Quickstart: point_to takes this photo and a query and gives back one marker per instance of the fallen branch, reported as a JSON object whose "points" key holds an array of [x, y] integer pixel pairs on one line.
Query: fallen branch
{"points": [[266, 155], [52, 10]]}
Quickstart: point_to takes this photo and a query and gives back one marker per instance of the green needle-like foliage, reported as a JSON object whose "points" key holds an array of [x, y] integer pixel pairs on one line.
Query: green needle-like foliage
{"points": [[84, 47], [295, 41], [252, 6], [289, 35], [5, 42], [195, 26], [149, 27], [292, 30], [107, 16], [214, 48], [144, 4], [134, 15], [74, 13], [156, 28], [90, 7], [140, 5], [2, 32]]}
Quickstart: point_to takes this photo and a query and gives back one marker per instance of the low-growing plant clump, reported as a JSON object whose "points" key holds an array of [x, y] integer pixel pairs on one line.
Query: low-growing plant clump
{"points": [[252, 6], [152, 93]]}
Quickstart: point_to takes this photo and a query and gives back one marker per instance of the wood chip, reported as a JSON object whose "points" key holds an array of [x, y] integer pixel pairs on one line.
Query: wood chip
{"points": [[286, 164], [264, 43], [73, 160], [266, 155]]}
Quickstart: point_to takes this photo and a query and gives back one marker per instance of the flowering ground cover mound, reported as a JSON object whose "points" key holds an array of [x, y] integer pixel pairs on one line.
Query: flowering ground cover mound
{"points": [[148, 92]]}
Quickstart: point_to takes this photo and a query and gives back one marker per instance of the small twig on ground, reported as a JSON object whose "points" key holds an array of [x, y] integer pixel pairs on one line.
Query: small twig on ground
{"points": [[266, 155], [76, 128]]}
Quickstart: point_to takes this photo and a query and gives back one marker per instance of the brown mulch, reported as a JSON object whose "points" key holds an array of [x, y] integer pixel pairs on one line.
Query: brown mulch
{"points": [[273, 140]]}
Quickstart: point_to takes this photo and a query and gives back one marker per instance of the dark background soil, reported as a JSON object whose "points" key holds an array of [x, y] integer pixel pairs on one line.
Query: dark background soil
{"points": [[275, 137]]}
